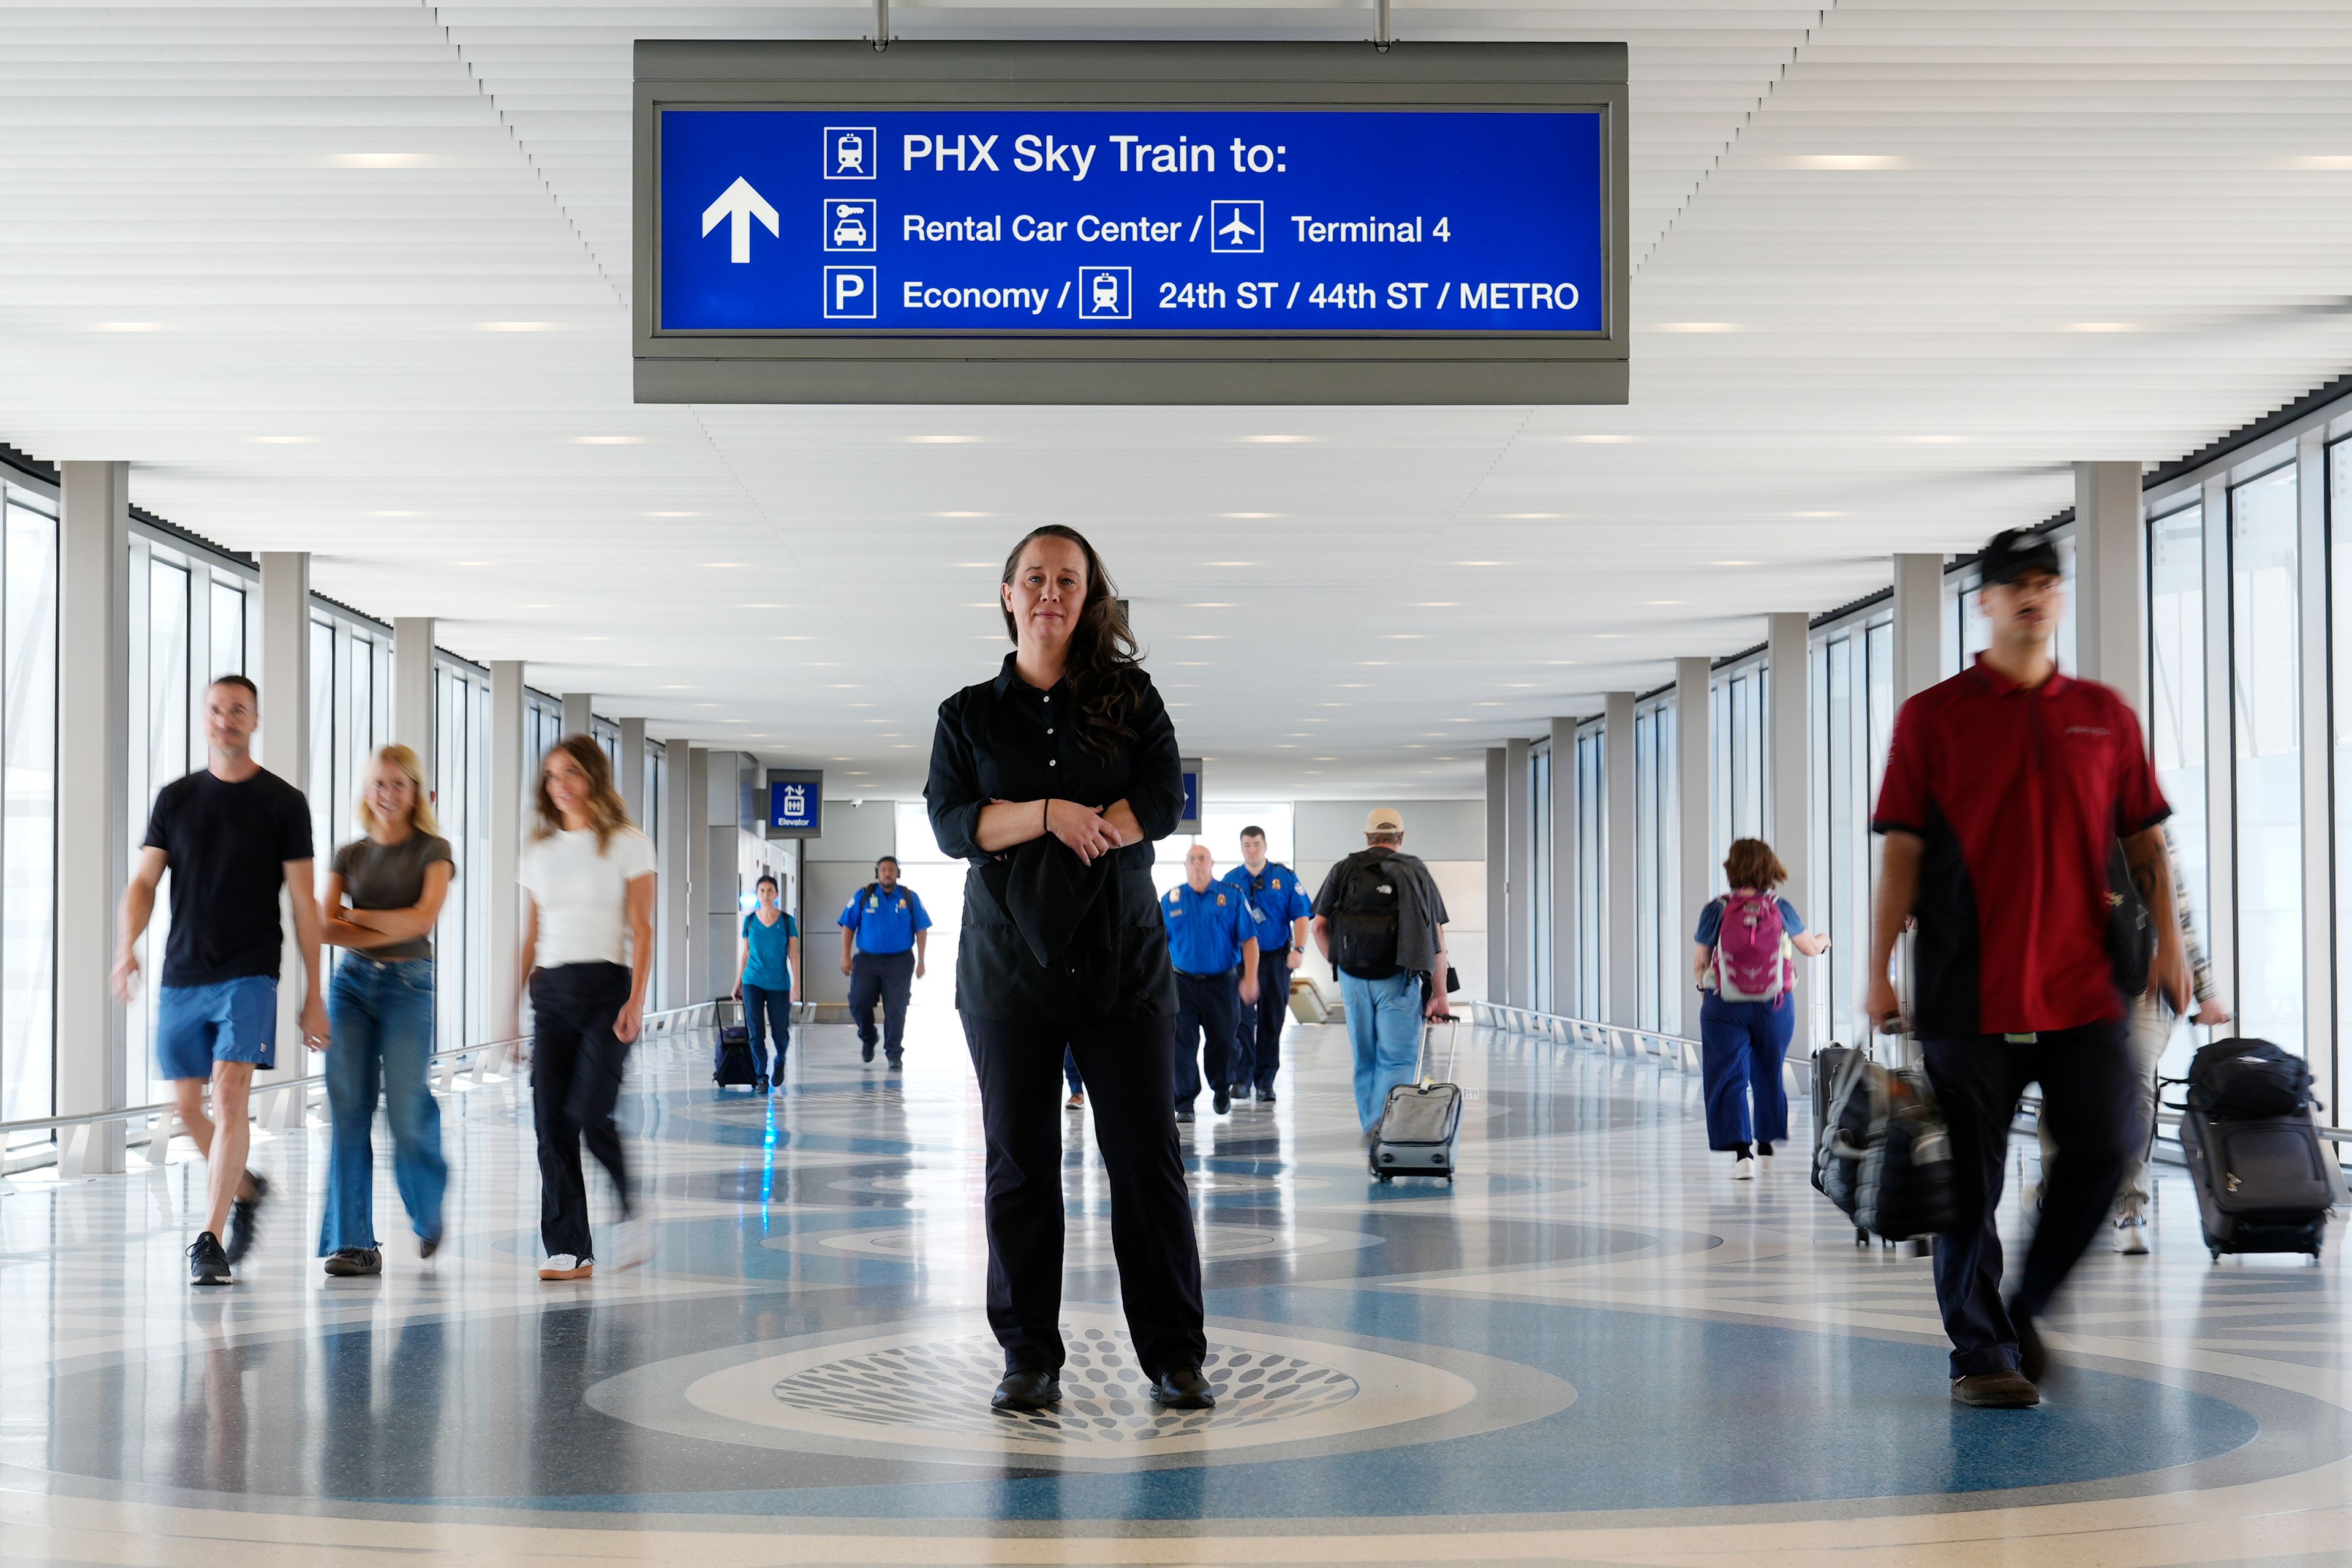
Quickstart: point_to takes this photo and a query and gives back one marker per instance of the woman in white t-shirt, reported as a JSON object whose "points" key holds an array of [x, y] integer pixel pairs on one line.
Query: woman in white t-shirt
{"points": [[587, 955]]}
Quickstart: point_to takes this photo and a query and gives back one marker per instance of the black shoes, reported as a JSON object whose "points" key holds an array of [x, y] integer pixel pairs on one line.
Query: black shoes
{"points": [[353, 1262], [1996, 1390], [1184, 1388], [1185, 1114], [897, 1064], [2032, 1355], [208, 1263], [1223, 1102], [1266, 1097], [245, 1218], [866, 1051], [1026, 1391], [426, 1245]]}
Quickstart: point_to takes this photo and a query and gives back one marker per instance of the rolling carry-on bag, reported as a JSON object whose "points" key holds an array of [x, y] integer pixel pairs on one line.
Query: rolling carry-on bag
{"points": [[2263, 1181], [735, 1065], [1884, 1154], [1421, 1121]]}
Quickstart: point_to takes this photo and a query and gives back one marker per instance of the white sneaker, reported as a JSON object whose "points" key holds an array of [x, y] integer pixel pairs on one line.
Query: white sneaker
{"points": [[633, 1245], [1743, 1169], [2131, 1236], [564, 1265]]}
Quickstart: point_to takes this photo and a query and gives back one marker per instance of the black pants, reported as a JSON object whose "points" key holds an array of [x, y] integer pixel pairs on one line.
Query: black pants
{"points": [[1258, 1038], [1126, 1067], [889, 977], [2091, 1103], [576, 1062], [768, 1015], [1205, 1005]]}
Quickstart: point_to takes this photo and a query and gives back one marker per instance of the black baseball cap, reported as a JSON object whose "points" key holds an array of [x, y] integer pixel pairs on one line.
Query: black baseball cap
{"points": [[2012, 554]]}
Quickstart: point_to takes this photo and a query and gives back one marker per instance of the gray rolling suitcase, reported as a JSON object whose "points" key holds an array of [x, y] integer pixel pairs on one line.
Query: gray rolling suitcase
{"points": [[1421, 1121]]}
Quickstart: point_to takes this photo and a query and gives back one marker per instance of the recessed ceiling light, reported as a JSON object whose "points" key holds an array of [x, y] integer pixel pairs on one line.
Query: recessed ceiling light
{"points": [[1204, 636], [392, 514], [1817, 514], [1610, 637], [516, 326], [676, 688], [723, 566], [1276, 440], [2317, 161], [1698, 327], [1848, 162], [856, 772], [1249, 514], [1935, 440], [1532, 516], [608, 440], [1486, 705], [1372, 664], [763, 607], [1482, 563], [977, 563], [963, 514], [284, 440], [843, 759], [1353, 685], [2103, 327], [379, 160], [673, 514], [1405, 636], [127, 327], [942, 440], [1563, 661], [793, 637], [1209, 604]]}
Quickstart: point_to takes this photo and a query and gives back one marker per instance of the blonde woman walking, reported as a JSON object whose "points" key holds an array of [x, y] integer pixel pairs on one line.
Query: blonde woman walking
{"points": [[384, 896]]}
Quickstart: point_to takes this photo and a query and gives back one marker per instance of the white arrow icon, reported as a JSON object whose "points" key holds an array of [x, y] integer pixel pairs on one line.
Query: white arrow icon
{"points": [[742, 203]]}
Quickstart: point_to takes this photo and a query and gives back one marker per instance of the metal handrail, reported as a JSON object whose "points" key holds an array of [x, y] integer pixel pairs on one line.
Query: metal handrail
{"points": [[667, 1021]]}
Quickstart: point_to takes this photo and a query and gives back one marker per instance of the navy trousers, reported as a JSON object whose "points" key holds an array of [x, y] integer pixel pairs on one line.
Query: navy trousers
{"points": [[1741, 1047], [1258, 1038], [1205, 1007], [888, 978], [2091, 1103]]}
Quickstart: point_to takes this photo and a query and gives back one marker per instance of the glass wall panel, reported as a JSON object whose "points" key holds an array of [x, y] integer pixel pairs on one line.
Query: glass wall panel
{"points": [[227, 630], [29, 754], [1539, 924], [2176, 643], [2267, 681], [1590, 871], [1646, 891]]}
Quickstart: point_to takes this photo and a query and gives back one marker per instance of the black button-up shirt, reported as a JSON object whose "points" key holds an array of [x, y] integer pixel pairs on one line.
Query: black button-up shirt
{"points": [[1005, 740]]}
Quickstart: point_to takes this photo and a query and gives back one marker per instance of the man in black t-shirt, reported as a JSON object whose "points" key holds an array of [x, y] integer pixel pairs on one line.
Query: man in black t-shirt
{"points": [[231, 836]]}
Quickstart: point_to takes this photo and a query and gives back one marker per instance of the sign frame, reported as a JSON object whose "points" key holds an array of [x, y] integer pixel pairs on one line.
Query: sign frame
{"points": [[811, 777], [1259, 368], [1189, 767]]}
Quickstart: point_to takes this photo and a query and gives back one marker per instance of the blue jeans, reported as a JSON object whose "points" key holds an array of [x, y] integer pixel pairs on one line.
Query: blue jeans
{"points": [[1384, 1025], [1741, 1047], [380, 1018], [767, 1013]]}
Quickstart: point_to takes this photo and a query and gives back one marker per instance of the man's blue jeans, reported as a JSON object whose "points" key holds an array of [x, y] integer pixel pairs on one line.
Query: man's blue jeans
{"points": [[1384, 1025], [380, 1018]]}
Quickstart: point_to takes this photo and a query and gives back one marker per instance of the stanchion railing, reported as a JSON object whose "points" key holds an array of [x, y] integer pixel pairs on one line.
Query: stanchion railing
{"points": [[285, 1104]]}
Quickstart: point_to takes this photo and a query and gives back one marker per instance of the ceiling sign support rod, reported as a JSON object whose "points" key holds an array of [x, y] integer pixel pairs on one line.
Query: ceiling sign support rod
{"points": [[1381, 36], [882, 24]]}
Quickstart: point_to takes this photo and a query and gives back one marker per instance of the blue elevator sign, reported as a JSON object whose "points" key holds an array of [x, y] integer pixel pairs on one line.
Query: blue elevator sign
{"points": [[1119, 223]]}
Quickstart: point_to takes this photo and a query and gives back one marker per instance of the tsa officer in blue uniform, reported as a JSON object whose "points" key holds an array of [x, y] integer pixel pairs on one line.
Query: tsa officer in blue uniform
{"points": [[1209, 937], [884, 933], [1280, 909]]}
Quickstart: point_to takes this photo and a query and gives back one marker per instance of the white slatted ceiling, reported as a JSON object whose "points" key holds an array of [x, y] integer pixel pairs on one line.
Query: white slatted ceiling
{"points": [[1906, 361]]}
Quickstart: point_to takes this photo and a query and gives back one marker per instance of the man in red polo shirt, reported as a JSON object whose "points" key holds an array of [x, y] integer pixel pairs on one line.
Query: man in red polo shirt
{"points": [[2007, 787]]}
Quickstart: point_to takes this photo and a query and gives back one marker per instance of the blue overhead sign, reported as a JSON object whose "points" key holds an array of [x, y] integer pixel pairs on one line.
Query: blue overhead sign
{"points": [[795, 803], [1122, 223]]}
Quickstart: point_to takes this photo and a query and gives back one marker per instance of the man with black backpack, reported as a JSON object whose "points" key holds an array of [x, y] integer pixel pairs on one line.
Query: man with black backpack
{"points": [[1380, 920]]}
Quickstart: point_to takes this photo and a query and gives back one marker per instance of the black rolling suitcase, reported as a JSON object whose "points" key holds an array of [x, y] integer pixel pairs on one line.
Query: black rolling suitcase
{"points": [[1422, 1120], [735, 1065], [2263, 1180]]}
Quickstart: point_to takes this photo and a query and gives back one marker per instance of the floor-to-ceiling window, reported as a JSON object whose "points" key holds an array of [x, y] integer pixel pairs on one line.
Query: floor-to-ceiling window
{"points": [[2265, 642], [460, 798], [1854, 714], [1736, 748], [1658, 869], [2176, 706], [28, 753], [1591, 931], [1539, 841]]}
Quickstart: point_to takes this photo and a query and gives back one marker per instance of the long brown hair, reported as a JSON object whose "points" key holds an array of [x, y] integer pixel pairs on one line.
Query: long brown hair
{"points": [[420, 809], [606, 808], [1752, 864], [1105, 669]]}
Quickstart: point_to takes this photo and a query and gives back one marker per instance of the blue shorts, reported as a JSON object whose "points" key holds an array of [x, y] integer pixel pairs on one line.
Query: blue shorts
{"points": [[229, 1021]]}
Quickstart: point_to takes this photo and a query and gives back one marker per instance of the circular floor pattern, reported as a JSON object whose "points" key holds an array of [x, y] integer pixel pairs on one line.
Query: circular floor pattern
{"points": [[1105, 1402], [1087, 1242]]}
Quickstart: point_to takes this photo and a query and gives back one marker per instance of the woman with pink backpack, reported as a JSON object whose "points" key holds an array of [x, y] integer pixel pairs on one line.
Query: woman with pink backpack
{"points": [[1747, 971]]}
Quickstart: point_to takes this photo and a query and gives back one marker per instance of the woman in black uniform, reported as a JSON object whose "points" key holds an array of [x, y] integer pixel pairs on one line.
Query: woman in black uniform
{"points": [[1053, 780]]}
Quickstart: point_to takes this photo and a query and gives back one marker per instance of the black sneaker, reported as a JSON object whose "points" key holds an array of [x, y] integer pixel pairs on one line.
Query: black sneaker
{"points": [[1184, 1113], [897, 1064], [351, 1262], [245, 1218], [1266, 1097], [208, 1264], [1223, 1103], [866, 1051], [426, 1245]]}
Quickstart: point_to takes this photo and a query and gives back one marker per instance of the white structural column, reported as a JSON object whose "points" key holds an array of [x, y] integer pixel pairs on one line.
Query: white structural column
{"points": [[2111, 580], [282, 745], [1518, 874], [698, 858], [505, 806], [675, 887], [1565, 912], [1694, 779], [413, 689], [1620, 900], [1788, 756], [1918, 624], [93, 805], [579, 717], [2319, 750], [1498, 880], [631, 781]]}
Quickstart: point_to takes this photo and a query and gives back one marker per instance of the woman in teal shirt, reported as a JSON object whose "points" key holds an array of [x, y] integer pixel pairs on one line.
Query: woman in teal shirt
{"points": [[771, 955]]}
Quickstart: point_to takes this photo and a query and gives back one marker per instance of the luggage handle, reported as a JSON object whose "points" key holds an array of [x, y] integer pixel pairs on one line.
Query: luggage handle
{"points": [[1452, 1044]]}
